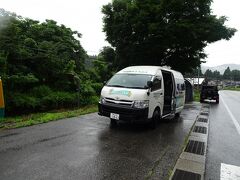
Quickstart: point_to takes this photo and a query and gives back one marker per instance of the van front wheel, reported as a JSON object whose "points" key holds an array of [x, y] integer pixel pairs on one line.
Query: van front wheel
{"points": [[155, 119]]}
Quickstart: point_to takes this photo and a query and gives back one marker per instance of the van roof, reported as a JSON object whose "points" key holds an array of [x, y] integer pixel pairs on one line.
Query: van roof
{"points": [[151, 70]]}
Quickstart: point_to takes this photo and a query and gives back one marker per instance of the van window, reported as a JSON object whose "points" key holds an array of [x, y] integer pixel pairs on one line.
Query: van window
{"points": [[183, 87], [138, 81], [157, 84], [178, 87]]}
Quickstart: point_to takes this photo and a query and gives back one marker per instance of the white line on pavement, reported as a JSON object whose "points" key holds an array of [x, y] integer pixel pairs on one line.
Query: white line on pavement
{"points": [[235, 122], [229, 172]]}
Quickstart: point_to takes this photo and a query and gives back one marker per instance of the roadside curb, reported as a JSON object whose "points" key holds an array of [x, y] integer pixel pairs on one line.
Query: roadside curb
{"points": [[191, 162]]}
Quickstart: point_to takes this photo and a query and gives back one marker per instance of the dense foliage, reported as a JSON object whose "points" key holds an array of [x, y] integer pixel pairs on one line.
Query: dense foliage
{"points": [[163, 32], [43, 66]]}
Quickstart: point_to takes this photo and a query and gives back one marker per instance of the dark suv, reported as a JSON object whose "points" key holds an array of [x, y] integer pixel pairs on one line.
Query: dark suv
{"points": [[209, 92]]}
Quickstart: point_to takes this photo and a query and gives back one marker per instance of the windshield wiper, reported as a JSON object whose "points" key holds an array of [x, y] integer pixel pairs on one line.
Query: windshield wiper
{"points": [[117, 86], [137, 87]]}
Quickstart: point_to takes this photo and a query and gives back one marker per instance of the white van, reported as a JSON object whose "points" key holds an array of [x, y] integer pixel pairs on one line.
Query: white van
{"points": [[142, 94]]}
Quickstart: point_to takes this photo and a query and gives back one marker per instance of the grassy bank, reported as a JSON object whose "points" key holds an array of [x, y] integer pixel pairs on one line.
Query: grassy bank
{"points": [[39, 118], [232, 88], [196, 96]]}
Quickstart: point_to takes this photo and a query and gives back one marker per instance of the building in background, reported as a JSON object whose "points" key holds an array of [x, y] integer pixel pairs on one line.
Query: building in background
{"points": [[197, 82]]}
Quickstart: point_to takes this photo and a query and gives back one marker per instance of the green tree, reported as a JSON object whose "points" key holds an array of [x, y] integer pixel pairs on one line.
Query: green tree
{"points": [[235, 75], [41, 49], [108, 54], [227, 74], [208, 74], [217, 75], [41, 64], [162, 32]]}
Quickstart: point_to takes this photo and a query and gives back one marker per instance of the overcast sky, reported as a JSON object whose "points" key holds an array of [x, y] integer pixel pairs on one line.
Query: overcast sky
{"points": [[85, 16]]}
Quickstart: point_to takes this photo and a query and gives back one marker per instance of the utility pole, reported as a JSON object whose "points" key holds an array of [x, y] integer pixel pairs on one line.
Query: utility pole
{"points": [[198, 77]]}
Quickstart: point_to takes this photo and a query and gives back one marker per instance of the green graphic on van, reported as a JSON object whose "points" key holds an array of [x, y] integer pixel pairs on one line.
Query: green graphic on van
{"points": [[120, 92]]}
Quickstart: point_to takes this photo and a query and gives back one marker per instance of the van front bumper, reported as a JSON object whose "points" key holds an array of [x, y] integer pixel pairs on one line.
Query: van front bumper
{"points": [[126, 114]]}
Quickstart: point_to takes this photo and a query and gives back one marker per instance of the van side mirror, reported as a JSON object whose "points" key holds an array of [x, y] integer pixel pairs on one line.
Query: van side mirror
{"points": [[150, 84]]}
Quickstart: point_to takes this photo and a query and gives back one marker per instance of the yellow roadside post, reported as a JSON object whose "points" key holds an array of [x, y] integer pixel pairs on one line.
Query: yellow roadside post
{"points": [[2, 106]]}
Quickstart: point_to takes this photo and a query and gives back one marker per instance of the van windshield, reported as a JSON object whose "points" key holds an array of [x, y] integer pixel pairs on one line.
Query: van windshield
{"points": [[138, 81]]}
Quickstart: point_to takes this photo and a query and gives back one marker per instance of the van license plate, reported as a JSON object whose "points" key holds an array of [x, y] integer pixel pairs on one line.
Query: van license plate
{"points": [[114, 116]]}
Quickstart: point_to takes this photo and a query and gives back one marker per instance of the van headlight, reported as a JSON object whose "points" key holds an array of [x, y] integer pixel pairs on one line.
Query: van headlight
{"points": [[141, 104], [102, 100]]}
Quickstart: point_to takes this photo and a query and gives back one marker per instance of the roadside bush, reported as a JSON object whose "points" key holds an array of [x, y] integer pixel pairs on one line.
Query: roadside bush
{"points": [[94, 99], [97, 87], [19, 103], [57, 100], [44, 99], [86, 89], [41, 91]]}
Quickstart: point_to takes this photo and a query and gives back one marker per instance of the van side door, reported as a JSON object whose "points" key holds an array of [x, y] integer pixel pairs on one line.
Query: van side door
{"points": [[156, 95]]}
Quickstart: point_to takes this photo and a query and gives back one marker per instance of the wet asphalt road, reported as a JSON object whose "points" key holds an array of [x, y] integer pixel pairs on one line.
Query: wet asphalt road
{"points": [[86, 148], [224, 139]]}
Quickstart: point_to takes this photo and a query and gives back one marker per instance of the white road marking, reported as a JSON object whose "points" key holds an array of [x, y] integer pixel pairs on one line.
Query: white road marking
{"points": [[235, 122], [229, 172]]}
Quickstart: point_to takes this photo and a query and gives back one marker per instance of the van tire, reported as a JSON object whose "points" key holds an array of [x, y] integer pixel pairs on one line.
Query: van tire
{"points": [[155, 119], [113, 123], [177, 115]]}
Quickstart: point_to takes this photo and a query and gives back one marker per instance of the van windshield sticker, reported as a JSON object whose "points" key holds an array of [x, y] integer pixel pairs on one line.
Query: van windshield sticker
{"points": [[120, 92]]}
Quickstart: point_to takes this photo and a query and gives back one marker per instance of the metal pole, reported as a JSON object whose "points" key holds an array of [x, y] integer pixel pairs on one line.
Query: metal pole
{"points": [[198, 77]]}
